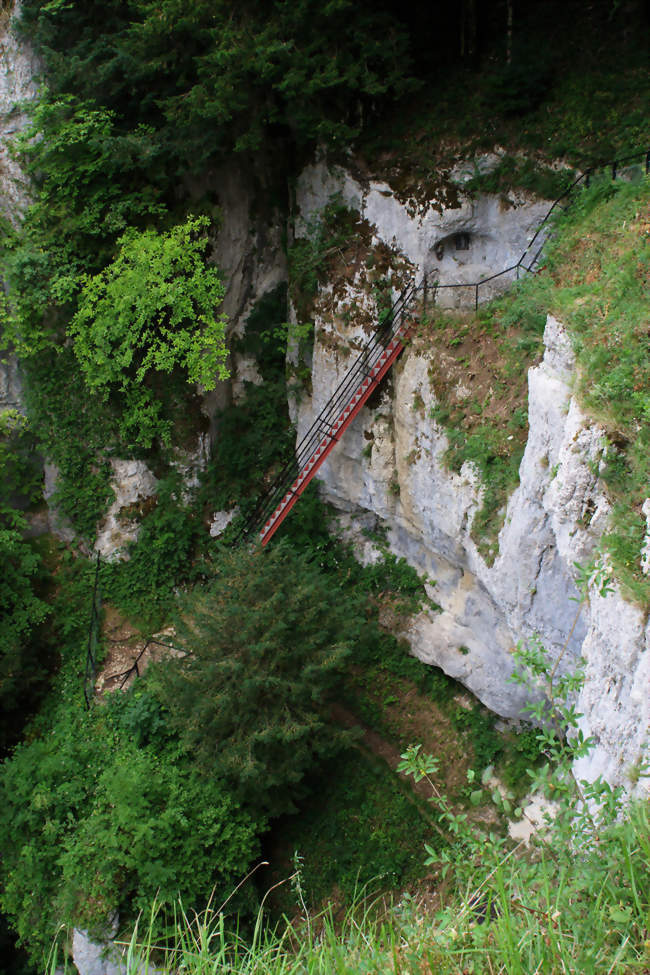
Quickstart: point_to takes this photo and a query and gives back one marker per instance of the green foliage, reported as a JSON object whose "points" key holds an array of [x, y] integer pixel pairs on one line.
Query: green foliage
{"points": [[210, 82], [20, 470], [98, 825], [163, 557], [364, 828], [518, 87], [155, 829], [265, 643], [91, 186], [477, 725], [151, 311], [73, 429], [517, 919], [565, 95], [255, 439], [526, 173], [24, 661], [523, 751], [310, 255], [265, 335]]}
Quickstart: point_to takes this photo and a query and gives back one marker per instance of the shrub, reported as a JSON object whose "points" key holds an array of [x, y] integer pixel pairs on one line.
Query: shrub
{"points": [[95, 824], [150, 312]]}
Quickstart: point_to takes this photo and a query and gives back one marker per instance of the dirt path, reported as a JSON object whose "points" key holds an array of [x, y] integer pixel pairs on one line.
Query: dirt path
{"points": [[128, 651]]}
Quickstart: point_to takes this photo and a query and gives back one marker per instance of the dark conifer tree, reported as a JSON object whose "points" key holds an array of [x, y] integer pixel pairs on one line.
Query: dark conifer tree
{"points": [[265, 644]]}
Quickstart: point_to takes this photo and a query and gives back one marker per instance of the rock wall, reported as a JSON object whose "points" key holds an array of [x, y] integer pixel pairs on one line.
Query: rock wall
{"points": [[389, 471], [474, 239], [18, 70]]}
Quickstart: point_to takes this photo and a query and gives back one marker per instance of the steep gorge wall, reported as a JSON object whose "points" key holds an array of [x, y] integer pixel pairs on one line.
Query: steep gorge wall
{"points": [[389, 472]]}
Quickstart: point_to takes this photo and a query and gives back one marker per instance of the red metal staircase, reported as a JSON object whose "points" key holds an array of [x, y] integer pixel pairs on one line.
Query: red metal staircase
{"points": [[374, 361], [368, 370]]}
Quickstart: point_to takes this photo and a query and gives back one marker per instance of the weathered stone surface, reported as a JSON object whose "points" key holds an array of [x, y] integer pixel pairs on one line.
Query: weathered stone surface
{"points": [[11, 397], [106, 958], [645, 549], [390, 466], [91, 958], [59, 525], [498, 227], [133, 484], [190, 463], [251, 257], [221, 520], [18, 69]]}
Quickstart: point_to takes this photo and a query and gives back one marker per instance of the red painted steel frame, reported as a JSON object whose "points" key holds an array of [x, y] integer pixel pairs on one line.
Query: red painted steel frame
{"points": [[328, 443]]}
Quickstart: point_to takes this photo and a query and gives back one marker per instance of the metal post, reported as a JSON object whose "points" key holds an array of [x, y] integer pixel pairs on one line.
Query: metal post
{"points": [[588, 178], [476, 298], [614, 170]]}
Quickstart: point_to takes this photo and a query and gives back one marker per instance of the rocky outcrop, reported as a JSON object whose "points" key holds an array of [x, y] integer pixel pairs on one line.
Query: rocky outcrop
{"points": [[475, 239], [389, 470], [18, 70], [249, 253], [134, 487]]}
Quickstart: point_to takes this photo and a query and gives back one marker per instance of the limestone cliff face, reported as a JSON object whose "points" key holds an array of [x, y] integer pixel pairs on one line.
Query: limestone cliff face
{"points": [[389, 471], [18, 70]]}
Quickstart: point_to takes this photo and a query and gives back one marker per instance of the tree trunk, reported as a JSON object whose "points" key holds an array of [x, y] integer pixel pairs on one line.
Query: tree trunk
{"points": [[468, 29], [510, 4]]}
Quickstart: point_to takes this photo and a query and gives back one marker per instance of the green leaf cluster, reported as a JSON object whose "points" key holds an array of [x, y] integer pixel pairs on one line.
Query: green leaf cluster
{"points": [[24, 661], [210, 78], [150, 311]]}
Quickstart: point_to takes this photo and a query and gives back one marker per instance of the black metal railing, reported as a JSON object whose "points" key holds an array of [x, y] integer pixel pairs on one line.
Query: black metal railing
{"points": [[90, 674], [393, 326]]}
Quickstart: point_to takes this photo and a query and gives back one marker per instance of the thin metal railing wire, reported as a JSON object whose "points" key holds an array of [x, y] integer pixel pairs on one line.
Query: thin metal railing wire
{"points": [[391, 328], [90, 674]]}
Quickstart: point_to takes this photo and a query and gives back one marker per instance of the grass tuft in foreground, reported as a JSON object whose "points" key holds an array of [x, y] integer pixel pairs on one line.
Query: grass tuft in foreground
{"points": [[533, 911]]}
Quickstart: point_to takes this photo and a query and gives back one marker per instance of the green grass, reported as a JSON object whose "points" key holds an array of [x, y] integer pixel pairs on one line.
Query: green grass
{"points": [[361, 825], [597, 283], [531, 912]]}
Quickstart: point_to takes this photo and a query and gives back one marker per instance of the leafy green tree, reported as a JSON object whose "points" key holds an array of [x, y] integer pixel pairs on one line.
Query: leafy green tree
{"points": [[265, 643], [211, 77], [152, 311], [90, 182]]}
